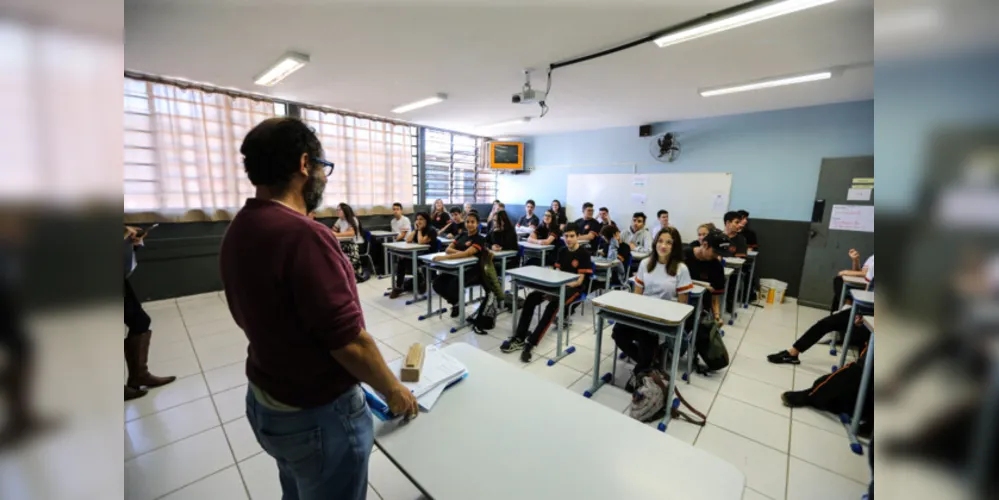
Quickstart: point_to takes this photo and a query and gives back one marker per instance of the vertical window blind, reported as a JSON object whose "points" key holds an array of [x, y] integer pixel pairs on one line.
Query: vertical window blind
{"points": [[455, 169]]}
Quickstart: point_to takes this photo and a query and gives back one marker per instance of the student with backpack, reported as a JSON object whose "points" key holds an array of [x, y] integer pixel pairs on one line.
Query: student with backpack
{"points": [[663, 275]]}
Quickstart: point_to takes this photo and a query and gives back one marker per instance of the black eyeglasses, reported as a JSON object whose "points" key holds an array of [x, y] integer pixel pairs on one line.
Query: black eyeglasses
{"points": [[328, 166]]}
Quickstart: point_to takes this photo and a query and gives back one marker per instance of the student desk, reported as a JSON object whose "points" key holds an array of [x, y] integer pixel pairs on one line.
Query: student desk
{"points": [[751, 256], [606, 265], [502, 256], [524, 232], [853, 422], [653, 315], [637, 256], [861, 298], [384, 236], [454, 267], [497, 435], [534, 248], [697, 291], [411, 250], [850, 282], [344, 239], [735, 263], [544, 280], [724, 299]]}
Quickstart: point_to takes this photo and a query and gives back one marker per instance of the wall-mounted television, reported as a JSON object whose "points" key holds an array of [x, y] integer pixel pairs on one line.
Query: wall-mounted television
{"points": [[506, 155]]}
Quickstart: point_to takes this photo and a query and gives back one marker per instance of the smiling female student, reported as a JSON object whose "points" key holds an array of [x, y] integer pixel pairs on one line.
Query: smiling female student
{"points": [[439, 217], [348, 226], [663, 275]]}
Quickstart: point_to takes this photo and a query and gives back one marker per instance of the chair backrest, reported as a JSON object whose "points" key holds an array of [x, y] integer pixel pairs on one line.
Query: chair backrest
{"points": [[367, 240]]}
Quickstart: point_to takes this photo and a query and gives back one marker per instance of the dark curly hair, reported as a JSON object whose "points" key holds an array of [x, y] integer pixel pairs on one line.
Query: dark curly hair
{"points": [[272, 151]]}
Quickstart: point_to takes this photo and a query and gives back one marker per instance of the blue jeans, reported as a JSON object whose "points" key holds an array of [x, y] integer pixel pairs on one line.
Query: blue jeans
{"points": [[322, 452]]}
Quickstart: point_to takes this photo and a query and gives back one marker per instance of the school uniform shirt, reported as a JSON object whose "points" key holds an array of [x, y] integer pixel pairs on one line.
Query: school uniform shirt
{"points": [[869, 265], [428, 232], [528, 221], [738, 247], [343, 226], [641, 238], [401, 224], [453, 230], [440, 220], [542, 232], [660, 284], [750, 236], [578, 262], [507, 240], [464, 241], [589, 226], [710, 271]]}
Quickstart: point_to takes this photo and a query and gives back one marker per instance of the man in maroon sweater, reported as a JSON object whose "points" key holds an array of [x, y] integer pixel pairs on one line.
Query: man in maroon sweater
{"points": [[291, 289]]}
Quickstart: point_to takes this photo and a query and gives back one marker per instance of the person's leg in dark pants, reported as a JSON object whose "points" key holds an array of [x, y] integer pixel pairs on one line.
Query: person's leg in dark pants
{"points": [[402, 268], [638, 345], [835, 323], [519, 339], [837, 289], [446, 286], [137, 348], [548, 315]]}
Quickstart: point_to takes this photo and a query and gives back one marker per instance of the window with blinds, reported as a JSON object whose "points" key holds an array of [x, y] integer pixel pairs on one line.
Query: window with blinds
{"points": [[374, 159], [181, 147], [455, 170]]}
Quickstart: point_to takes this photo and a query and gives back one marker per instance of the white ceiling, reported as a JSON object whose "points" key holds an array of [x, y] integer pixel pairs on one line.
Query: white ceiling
{"points": [[374, 56]]}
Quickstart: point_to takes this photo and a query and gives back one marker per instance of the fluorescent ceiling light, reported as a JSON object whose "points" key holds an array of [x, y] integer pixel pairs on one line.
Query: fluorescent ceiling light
{"points": [[288, 64], [420, 104], [765, 84], [507, 122], [750, 16]]}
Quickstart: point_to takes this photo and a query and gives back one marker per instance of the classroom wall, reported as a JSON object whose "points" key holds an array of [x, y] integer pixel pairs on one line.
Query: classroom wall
{"points": [[774, 156]]}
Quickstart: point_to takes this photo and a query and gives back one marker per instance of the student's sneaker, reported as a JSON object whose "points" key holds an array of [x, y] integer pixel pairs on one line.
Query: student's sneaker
{"points": [[512, 344], [794, 399], [395, 293], [454, 311], [783, 357], [525, 355]]}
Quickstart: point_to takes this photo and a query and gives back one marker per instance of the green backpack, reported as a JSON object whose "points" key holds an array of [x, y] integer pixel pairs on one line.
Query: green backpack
{"points": [[710, 347]]}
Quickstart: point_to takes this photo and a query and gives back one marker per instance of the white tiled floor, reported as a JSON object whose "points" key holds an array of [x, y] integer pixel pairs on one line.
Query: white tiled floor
{"points": [[190, 440]]}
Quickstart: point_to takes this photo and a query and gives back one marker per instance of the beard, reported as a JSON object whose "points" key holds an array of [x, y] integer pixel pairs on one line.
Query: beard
{"points": [[312, 190]]}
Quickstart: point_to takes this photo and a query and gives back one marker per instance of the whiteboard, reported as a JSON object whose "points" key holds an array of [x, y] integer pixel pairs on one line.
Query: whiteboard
{"points": [[691, 199]]}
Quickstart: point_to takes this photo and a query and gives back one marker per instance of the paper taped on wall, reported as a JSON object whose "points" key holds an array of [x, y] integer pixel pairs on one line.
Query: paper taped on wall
{"points": [[852, 218]]}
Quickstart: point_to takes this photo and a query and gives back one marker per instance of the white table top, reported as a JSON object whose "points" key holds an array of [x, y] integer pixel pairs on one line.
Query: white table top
{"points": [[543, 275], [400, 245], [752, 253], [869, 322], [447, 263], [535, 246], [735, 261], [345, 238], [697, 290], [504, 433], [525, 230], [729, 271], [504, 254], [855, 280], [603, 262], [379, 234], [639, 256], [863, 296], [648, 308]]}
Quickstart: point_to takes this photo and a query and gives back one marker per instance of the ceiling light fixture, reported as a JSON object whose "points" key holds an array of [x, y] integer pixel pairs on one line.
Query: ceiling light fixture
{"points": [[765, 84], [753, 12], [517, 121], [288, 64], [405, 108]]}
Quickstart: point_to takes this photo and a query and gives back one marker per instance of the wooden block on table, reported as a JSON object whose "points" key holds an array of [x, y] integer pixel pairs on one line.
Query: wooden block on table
{"points": [[413, 364]]}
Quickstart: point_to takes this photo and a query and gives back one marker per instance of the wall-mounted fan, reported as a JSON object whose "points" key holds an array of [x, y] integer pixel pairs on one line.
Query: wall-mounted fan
{"points": [[665, 148]]}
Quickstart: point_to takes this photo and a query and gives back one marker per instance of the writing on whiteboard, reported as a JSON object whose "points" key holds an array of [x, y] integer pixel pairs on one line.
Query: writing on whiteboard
{"points": [[852, 218]]}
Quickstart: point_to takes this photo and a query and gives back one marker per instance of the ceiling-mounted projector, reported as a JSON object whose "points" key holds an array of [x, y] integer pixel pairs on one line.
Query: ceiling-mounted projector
{"points": [[527, 95]]}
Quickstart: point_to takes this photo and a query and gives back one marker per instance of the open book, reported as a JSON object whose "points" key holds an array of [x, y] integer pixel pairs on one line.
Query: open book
{"points": [[440, 371]]}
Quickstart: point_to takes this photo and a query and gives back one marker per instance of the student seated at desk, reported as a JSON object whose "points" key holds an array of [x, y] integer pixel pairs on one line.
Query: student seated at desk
{"points": [[529, 219], [610, 246], [662, 221], [455, 226], [604, 218], [833, 323], [855, 270], [703, 231], [423, 234], [588, 227], [400, 225], [572, 259], [347, 225], [560, 219], [439, 217], [702, 261], [737, 248], [637, 236], [662, 275], [468, 244], [502, 236], [748, 233], [497, 206]]}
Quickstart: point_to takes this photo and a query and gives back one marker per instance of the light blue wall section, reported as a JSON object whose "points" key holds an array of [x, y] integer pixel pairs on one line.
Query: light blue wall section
{"points": [[774, 157]]}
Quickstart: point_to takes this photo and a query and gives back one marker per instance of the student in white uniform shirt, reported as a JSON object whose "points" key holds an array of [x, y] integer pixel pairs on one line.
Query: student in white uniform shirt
{"points": [[662, 221], [662, 275], [832, 323], [400, 225], [855, 270]]}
